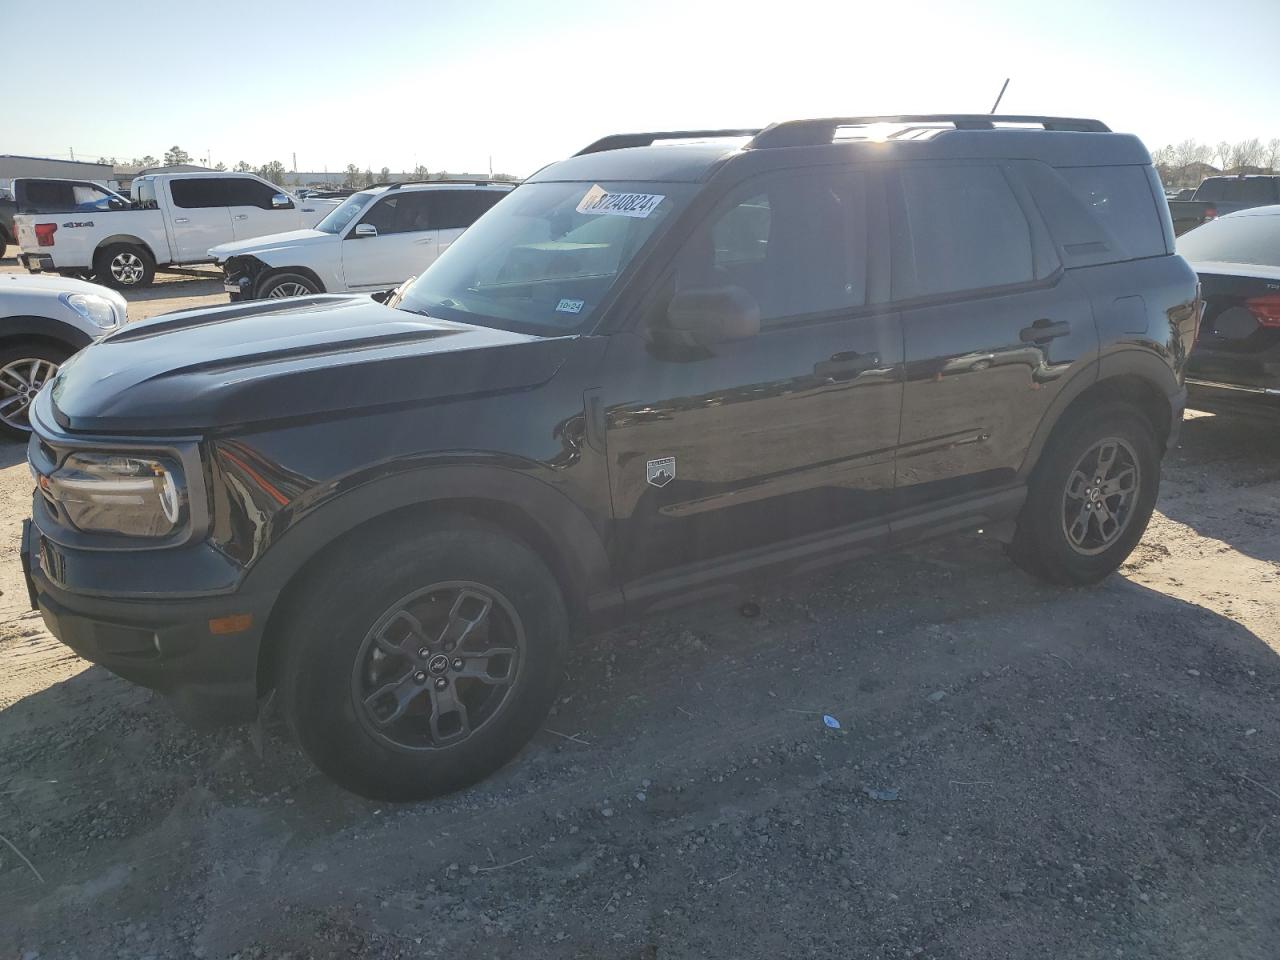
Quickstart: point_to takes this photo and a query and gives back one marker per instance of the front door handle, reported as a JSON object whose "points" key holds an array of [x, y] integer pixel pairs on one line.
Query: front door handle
{"points": [[846, 365], [181, 220], [241, 216], [1044, 330]]}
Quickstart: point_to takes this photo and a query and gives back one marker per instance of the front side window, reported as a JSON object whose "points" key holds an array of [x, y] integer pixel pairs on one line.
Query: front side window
{"points": [[547, 256], [964, 230], [247, 192], [385, 214], [796, 242], [336, 220]]}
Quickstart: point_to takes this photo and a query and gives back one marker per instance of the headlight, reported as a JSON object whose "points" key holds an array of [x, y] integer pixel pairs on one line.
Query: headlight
{"points": [[133, 496], [99, 311]]}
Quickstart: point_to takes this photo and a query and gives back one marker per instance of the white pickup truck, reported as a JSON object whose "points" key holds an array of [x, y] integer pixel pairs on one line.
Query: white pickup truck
{"points": [[174, 219]]}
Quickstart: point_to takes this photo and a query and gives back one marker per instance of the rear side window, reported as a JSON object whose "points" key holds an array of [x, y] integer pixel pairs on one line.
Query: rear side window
{"points": [[47, 196], [1244, 190], [198, 192], [1120, 199], [964, 231], [459, 209]]}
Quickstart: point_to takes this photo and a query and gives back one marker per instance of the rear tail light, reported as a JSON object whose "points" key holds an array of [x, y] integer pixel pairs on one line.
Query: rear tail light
{"points": [[1266, 309], [45, 232], [1210, 213]]}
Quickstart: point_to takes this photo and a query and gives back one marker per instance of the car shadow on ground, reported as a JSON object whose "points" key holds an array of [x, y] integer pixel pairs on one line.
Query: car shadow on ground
{"points": [[1083, 765], [1229, 460]]}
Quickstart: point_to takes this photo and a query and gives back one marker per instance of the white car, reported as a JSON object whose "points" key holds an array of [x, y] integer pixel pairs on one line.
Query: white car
{"points": [[43, 321], [173, 218], [375, 240]]}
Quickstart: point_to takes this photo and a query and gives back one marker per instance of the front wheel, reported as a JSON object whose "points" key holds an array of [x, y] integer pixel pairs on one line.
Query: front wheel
{"points": [[283, 285], [24, 369], [1090, 497], [125, 266], [422, 661]]}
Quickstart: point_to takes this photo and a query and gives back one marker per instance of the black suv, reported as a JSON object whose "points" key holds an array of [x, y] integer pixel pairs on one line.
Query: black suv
{"points": [[649, 374]]}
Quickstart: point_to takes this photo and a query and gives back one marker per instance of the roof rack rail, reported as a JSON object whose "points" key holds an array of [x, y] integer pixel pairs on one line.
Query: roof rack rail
{"points": [[618, 141], [805, 133], [392, 184]]}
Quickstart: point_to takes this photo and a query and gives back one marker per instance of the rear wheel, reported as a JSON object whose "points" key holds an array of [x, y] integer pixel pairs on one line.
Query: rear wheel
{"points": [[24, 369], [282, 285], [419, 664], [125, 266], [1090, 497]]}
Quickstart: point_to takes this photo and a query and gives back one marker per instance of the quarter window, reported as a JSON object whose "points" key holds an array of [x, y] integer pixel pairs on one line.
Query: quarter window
{"points": [[960, 228], [1120, 199]]}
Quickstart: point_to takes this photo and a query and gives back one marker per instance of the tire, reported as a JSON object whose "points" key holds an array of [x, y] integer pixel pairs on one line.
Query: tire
{"points": [[412, 747], [281, 285], [124, 266], [18, 386], [1062, 535]]}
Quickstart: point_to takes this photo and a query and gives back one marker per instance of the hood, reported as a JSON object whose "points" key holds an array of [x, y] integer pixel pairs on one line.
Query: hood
{"points": [[202, 370], [52, 285], [274, 241]]}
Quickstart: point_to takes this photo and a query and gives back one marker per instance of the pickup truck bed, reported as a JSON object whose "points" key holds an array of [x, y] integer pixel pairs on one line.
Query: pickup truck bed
{"points": [[1220, 195]]}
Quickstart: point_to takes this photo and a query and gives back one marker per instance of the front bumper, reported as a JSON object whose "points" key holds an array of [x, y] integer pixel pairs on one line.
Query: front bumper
{"points": [[169, 645], [37, 262]]}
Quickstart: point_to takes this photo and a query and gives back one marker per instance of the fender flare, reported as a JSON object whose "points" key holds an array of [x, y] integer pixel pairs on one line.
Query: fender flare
{"points": [[123, 238], [1138, 362], [579, 559], [43, 328]]}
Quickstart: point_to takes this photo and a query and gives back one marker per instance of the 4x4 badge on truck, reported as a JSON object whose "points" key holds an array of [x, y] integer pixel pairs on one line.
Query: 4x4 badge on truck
{"points": [[660, 472]]}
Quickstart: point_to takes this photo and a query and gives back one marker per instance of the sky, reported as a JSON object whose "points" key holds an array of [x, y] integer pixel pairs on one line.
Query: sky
{"points": [[451, 84]]}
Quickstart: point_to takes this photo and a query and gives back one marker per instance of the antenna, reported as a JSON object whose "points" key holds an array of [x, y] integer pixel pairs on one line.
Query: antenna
{"points": [[1001, 96]]}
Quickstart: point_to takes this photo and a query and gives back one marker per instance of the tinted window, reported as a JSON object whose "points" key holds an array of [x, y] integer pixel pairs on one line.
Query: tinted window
{"points": [[795, 242], [414, 212], [198, 192], [1244, 190], [47, 196], [244, 192], [1253, 238], [453, 209], [1120, 199], [964, 231], [384, 214]]}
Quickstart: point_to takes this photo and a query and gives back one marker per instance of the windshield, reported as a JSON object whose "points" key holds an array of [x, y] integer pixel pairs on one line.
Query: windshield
{"points": [[338, 218], [1252, 238], [546, 256]]}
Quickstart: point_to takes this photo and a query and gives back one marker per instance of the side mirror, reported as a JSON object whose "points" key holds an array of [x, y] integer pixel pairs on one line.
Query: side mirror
{"points": [[281, 201], [703, 317], [365, 230], [115, 203]]}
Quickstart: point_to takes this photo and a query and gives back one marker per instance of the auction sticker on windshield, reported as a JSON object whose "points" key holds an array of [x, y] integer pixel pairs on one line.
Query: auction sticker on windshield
{"points": [[600, 200]]}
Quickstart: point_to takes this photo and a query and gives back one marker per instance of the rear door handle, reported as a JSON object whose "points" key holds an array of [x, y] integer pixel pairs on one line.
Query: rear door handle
{"points": [[241, 216], [1044, 330], [181, 220], [846, 365]]}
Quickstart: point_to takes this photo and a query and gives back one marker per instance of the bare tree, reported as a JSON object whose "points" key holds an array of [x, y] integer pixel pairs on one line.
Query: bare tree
{"points": [[1191, 151], [1166, 156], [242, 167], [1223, 153], [1273, 153], [1247, 153]]}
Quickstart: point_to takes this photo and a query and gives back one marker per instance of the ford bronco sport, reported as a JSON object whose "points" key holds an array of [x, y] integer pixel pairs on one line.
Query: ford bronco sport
{"points": [[655, 371]]}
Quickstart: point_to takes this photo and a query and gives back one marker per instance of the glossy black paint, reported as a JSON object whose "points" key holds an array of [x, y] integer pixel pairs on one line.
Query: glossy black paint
{"points": [[323, 418], [1233, 350]]}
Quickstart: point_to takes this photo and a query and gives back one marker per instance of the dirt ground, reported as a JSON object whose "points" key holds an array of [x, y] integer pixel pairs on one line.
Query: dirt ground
{"points": [[1020, 771]]}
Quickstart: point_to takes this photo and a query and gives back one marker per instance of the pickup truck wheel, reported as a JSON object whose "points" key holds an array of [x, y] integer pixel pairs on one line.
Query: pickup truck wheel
{"points": [[283, 285], [1090, 497], [24, 369], [124, 266], [418, 666]]}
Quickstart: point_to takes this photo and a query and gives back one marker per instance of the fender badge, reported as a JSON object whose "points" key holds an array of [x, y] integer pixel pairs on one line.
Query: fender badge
{"points": [[660, 472]]}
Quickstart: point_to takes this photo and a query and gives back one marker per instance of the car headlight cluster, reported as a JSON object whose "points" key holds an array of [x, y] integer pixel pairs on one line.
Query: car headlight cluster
{"points": [[99, 311], [123, 494]]}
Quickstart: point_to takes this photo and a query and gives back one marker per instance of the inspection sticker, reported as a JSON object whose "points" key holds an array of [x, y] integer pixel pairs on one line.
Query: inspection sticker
{"points": [[569, 306], [600, 200]]}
